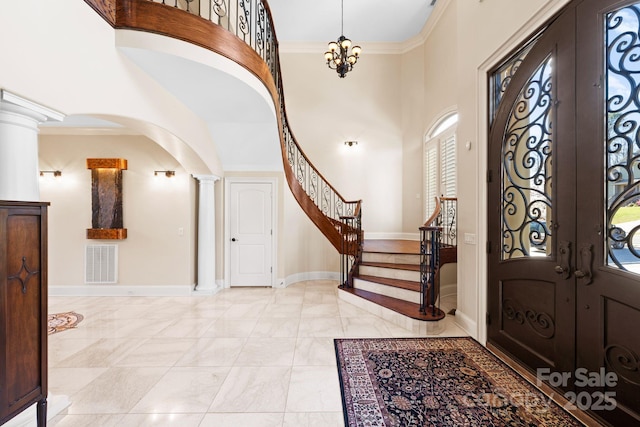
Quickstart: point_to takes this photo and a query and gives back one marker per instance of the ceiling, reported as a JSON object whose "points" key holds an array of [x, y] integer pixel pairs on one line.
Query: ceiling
{"points": [[364, 20]]}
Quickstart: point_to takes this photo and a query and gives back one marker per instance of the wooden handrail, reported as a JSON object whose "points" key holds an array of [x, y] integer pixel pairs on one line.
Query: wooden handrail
{"points": [[260, 56], [435, 213]]}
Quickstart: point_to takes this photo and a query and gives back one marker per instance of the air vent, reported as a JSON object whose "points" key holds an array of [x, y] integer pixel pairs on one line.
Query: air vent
{"points": [[101, 264]]}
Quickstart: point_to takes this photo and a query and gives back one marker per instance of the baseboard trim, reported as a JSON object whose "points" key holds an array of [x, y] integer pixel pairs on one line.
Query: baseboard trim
{"points": [[310, 275], [467, 324], [448, 290], [119, 291]]}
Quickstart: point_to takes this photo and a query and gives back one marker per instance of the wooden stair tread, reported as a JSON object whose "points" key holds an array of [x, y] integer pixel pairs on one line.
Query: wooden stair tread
{"points": [[396, 283], [403, 307], [410, 267]]}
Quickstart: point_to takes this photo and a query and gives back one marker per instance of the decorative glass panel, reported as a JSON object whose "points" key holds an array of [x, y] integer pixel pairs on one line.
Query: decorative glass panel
{"points": [[502, 77], [622, 139], [526, 205]]}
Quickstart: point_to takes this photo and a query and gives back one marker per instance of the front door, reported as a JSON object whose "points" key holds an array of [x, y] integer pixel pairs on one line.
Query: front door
{"points": [[564, 200], [251, 229]]}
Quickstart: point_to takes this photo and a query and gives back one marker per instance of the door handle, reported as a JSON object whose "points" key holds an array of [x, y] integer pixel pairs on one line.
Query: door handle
{"points": [[586, 260], [233, 239], [564, 255]]}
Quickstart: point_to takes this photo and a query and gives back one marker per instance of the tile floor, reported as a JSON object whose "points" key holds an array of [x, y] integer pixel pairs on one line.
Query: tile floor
{"points": [[245, 357]]}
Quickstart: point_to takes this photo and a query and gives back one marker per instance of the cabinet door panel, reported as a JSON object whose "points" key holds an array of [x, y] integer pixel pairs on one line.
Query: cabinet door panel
{"points": [[23, 307]]}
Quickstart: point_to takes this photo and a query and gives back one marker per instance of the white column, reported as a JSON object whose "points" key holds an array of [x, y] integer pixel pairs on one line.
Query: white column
{"points": [[19, 119], [206, 233]]}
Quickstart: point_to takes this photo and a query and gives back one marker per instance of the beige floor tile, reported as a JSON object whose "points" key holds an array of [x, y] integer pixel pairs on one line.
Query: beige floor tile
{"points": [[314, 352], [313, 419], [157, 352], [323, 380], [365, 327], [267, 352], [320, 310], [249, 389], [69, 381], [187, 328], [116, 391], [321, 327], [224, 327], [183, 390], [213, 352], [160, 420], [277, 327], [103, 353], [90, 420], [282, 309], [243, 420]]}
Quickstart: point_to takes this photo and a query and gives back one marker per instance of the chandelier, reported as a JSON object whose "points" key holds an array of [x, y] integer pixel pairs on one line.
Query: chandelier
{"points": [[338, 56]]}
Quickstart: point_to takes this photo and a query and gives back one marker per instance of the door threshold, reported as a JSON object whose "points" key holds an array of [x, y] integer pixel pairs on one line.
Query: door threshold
{"points": [[556, 395]]}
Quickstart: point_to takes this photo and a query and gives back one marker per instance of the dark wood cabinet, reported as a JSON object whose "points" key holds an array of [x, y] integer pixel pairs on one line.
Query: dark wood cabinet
{"points": [[23, 309]]}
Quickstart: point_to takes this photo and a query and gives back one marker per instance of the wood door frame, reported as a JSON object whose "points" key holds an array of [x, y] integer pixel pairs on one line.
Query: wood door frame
{"points": [[482, 127], [227, 225]]}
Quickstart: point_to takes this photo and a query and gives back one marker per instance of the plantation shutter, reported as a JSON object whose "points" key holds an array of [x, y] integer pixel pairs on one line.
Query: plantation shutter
{"points": [[448, 166], [431, 178]]}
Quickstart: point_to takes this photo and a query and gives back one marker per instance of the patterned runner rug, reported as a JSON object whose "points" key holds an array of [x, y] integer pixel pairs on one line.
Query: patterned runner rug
{"points": [[63, 321], [437, 382]]}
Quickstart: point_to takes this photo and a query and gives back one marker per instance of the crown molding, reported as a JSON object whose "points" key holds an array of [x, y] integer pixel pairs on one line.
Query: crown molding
{"points": [[381, 48], [419, 39]]}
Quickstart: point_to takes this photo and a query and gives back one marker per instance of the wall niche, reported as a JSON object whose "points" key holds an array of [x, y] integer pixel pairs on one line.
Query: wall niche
{"points": [[106, 199]]}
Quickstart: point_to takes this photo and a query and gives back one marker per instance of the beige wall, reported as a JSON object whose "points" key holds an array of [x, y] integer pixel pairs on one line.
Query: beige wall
{"points": [[429, 90], [155, 208], [325, 110]]}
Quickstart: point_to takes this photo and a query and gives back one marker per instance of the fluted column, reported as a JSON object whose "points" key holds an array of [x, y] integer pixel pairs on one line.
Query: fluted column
{"points": [[206, 233], [19, 119]]}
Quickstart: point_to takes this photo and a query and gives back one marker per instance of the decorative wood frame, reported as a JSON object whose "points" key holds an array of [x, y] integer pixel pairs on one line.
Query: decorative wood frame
{"points": [[106, 199]]}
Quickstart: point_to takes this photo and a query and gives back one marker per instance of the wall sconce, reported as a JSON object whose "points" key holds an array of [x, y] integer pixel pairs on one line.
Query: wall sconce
{"points": [[54, 173], [351, 143], [168, 174]]}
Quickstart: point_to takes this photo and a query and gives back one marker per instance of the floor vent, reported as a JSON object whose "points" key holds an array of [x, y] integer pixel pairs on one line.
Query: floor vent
{"points": [[101, 264]]}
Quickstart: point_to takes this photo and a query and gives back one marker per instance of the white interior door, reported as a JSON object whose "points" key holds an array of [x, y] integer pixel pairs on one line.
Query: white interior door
{"points": [[251, 233]]}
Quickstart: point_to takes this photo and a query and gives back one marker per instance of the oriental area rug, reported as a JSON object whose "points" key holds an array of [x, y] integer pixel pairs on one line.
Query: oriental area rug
{"points": [[437, 382], [63, 321]]}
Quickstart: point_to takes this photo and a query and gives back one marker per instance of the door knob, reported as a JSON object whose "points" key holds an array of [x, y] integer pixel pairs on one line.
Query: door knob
{"points": [[586, 261], [564, 267], [233, 239]]}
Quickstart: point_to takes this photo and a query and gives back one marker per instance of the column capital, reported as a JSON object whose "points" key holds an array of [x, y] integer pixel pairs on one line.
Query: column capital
{"points": [[18, 105], [206, 178]]}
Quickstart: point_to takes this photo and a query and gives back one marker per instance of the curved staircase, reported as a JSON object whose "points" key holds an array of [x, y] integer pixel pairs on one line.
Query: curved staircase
{"points": [[400, 282]]}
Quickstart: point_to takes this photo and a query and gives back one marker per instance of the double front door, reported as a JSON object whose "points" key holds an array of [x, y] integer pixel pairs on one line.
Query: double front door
{"points": [[564, 207]]}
